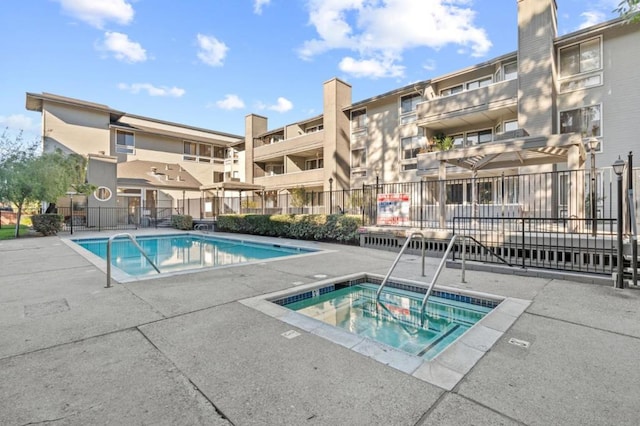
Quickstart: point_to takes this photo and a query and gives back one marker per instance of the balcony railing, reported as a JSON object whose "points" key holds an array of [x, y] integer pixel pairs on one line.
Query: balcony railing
{"points": [[290, 146], [496, 97]]}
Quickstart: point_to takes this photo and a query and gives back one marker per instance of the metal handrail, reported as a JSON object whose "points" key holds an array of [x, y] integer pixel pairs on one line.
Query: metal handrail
{"points": [[437, 274], [395, 262], [135, 243]]}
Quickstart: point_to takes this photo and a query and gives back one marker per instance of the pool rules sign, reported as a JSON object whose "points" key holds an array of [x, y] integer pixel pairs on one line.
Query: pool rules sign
{"points": [[393, 209]]}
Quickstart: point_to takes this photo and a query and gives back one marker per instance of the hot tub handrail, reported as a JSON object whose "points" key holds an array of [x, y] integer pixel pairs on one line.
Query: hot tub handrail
{"points": [[135, 243], [437, 274], [395, 262]]}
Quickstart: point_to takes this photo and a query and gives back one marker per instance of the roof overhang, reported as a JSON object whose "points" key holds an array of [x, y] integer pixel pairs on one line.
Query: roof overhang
{"points": [[520, 152], [231, 186]]}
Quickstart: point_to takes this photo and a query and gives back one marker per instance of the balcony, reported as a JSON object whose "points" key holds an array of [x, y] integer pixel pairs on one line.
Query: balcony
{"points": [[471, 107], [299, 144], [302, 178]]}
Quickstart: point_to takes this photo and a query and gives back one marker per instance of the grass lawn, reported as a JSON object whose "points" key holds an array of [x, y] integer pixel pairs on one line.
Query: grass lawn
{"points": [[7, 232]]}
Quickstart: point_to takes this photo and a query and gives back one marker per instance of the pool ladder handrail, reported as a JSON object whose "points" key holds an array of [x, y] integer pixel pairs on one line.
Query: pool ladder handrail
{"points": [[463, 267], [395, 262], [135, 243], [440, 267]]}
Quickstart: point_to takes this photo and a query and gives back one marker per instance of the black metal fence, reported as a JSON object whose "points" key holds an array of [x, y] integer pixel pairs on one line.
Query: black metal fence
{"points": [[566, 244], [434, 203], [99, 218]]}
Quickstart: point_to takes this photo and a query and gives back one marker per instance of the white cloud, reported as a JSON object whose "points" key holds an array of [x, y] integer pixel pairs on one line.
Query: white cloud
{"points": [[122, 48], [258, 4], [212, 51], [17, 122], [590, 18], [97, 12], [230, 102], [282, 105], [381, 31], [372, 68], [135, 88]]}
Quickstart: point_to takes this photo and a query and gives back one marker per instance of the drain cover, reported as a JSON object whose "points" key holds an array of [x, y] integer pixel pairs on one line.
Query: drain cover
{"points": [[46, 308], [518, 342], [290, 334]]}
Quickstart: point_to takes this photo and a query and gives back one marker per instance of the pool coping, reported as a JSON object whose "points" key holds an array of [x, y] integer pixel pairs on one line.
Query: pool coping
{"points": [[445, 370], [121, 277]]}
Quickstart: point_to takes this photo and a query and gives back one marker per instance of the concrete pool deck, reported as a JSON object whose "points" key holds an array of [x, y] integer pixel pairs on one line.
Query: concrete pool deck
{"points": [[183, 349]]}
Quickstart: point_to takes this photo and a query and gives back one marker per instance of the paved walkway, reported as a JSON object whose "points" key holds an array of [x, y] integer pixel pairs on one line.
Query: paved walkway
{"points": [[183, 350]]}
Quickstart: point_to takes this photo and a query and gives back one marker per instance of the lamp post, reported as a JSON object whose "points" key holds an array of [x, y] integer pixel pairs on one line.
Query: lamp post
{"points": [[593, 145], [330, 195], [618, 167], [71, 194]]}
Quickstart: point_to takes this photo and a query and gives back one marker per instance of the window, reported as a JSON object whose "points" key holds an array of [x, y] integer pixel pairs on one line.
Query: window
{"points": [[359, 158], [483, 136], [485, 81], [451, 90], [125, 143], [409, 103], [458, 140], [200, 152], [315, 163], [580, 58], [586, 120], [510, 71], [511, 125], [358, 119], [458, 193], [409, 166], [410, 147], [314, 129], [274, 169], [102, 193]]}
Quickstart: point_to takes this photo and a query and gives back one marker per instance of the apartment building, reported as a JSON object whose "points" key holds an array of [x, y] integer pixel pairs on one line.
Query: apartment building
{"points": [[139, 163], [532, 110]]}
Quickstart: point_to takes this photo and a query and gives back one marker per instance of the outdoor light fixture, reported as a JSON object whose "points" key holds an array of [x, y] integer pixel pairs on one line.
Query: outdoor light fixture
{"points": [[330, 195], [618, 168]]}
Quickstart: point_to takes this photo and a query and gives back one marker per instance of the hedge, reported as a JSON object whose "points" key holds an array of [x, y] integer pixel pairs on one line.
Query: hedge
{"points": [[47, 224], [183, 222], [319, 227]]}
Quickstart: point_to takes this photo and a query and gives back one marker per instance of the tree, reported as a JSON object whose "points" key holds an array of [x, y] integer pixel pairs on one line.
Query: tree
{"points": [[629, 9], [298, 197], [27, 177]]}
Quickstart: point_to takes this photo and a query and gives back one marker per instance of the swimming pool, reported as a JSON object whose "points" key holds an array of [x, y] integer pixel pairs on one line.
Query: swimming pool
{"points": [[459, 327], [183, 252], [395, 318]]}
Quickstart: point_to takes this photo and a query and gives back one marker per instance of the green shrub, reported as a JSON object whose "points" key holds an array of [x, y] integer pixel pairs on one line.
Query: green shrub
{"points": [[319, 227], [47, 224], [183, 222]]}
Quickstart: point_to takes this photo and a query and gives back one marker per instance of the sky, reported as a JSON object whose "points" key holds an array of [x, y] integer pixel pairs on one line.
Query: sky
{"points": [[209, 63]]}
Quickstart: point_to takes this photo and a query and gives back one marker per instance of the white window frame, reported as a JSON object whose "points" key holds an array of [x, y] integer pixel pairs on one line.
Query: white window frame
{"points": [[361, 126], [583, 78], [314, 129], [363, 158], [409, 116], [125, 148], [504, 72], [197, 157], [272, 169], [417, 143], [579, 44], [586, 134], [482, 82], [314, 163], [447, 90]]}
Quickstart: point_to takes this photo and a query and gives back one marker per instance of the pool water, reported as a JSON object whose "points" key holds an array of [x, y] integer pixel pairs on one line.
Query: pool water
{"points": [[183, 252], [395, 319]]}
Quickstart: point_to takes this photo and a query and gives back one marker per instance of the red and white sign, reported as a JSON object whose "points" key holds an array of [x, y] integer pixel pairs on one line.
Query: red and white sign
{"points": [[393, 209]]}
